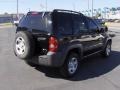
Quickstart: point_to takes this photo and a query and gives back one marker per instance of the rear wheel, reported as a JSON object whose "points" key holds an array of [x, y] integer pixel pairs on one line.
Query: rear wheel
{"points": [[70, 66], [23, 45]]}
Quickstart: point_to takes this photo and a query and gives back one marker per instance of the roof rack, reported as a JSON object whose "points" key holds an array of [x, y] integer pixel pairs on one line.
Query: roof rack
{"points": [[66, 11]]}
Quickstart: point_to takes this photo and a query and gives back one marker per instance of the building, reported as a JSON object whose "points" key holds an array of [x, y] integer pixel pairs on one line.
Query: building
{"points": [[115, 15], [5, 18], [9, 18]]}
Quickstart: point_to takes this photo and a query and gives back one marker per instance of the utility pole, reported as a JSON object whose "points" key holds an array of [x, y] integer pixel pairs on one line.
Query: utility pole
{"points": [[17, 9], [92, 7], [88, 7]]}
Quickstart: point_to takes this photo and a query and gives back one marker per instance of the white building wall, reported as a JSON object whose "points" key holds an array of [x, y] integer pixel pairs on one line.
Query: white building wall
{"points": [[115, 15]]}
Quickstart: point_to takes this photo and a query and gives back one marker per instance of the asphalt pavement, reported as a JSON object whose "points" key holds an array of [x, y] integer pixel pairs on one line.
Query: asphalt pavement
{"points": [[96, 72]]}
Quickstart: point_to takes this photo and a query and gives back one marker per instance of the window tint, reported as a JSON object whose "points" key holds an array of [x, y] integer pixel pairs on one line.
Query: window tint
{"points": [[79, 25], [64, 23], [92, 25], [37, 21], [98, 22]]}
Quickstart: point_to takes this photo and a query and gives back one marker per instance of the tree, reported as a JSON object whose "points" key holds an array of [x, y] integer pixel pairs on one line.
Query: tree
{"points": [[113, 10], [118, 8], [98, 14]]}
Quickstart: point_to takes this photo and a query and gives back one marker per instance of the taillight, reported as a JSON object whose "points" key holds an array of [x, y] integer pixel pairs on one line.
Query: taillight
{"points": [[53, 44]]}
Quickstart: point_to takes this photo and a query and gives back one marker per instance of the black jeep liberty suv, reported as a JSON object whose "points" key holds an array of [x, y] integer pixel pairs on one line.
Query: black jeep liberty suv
{"points": [[61, 38]]}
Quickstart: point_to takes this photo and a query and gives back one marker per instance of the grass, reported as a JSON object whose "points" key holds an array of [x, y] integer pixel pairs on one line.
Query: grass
{"points": [[6, 24]]}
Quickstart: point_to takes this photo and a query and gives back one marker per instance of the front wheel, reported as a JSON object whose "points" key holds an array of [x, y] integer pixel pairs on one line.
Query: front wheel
{"points": [[107, 51], [70, 66]]}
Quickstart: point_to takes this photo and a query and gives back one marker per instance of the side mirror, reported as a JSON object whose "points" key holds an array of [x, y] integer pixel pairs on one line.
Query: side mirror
{"points": [[98, 30]]}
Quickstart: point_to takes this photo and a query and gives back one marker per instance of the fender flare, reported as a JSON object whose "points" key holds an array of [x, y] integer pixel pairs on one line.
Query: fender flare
{"points": [[72, 47], [108, 39]]}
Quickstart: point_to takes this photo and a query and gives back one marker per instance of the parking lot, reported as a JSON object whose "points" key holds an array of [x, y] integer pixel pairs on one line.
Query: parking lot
{"points": [[96, 73]]}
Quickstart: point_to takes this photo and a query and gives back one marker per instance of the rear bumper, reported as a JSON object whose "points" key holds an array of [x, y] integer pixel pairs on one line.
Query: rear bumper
{"points": [[51, 59]]}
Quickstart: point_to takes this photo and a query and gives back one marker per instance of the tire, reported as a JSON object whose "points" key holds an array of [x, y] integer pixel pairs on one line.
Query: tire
{"points": [[107, 51], [70, 68], [24, 45]]}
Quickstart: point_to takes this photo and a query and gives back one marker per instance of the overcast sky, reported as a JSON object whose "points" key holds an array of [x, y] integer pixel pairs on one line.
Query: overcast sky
{"points": [[37, 5]]}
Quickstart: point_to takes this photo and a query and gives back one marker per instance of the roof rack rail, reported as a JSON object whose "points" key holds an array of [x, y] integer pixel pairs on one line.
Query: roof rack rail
{"points": [[67, 11]]}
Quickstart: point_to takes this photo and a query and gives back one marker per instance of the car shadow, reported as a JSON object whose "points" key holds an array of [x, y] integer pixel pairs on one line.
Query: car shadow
{"points": [[91, 67]]}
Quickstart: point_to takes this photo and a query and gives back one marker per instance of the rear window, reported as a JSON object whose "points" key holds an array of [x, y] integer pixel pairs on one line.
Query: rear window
{"points": [[38, 21]]}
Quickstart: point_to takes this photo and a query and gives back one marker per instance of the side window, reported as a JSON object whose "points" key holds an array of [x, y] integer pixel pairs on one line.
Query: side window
{"points": [[79, 25], [92, 25], [64, 24]]}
